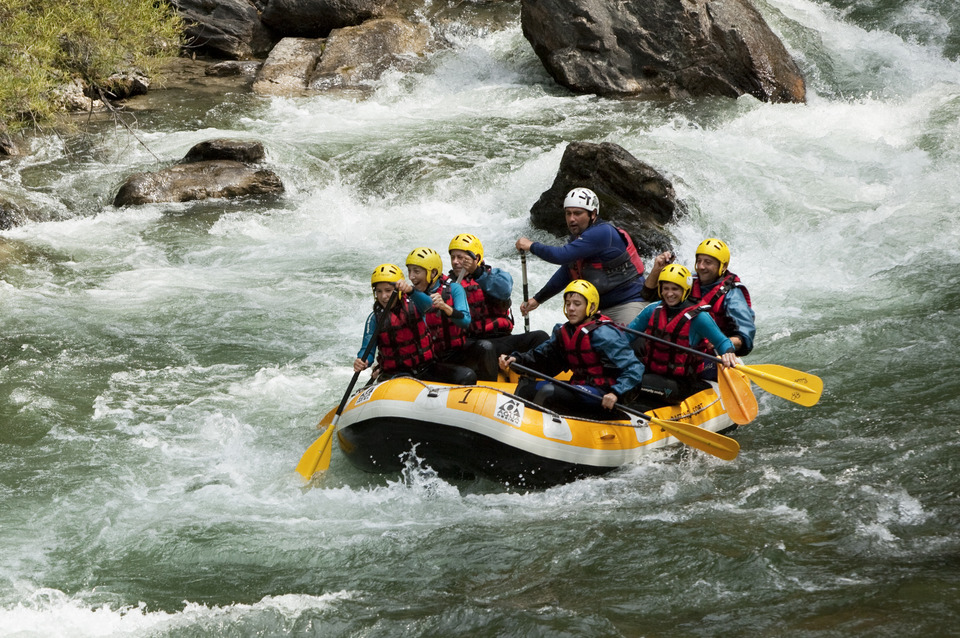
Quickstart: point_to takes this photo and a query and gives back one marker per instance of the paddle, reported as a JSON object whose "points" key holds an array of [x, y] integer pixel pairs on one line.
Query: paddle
{"points": [[801, 387], [710, 442], [526, 289], [737, 397], [317, 457]]}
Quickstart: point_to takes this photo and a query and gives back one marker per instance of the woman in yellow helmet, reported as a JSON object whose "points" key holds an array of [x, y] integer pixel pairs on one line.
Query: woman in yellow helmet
{"points": [[720, 291], [404, 345], [681, 321], [589, 344]]}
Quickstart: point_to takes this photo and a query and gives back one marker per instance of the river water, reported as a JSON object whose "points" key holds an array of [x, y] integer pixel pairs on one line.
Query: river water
{"points": [[164, 366]]}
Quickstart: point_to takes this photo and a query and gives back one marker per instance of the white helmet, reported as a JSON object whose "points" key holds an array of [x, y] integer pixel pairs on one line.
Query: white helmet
{"points": [[582, 198]]}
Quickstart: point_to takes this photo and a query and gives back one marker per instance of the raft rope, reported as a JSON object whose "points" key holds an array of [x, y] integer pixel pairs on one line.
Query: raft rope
{"points": [[638, 423]]}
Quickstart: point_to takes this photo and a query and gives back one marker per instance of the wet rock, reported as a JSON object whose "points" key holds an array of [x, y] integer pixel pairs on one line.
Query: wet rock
{"points": [[10, 214], [661, 48], [356, 55], [72, 97], [244, 151], [8, 146], [288, 68], [316, 18], [632, 194], [198, 180], [224, 28], [120, 86], [234, 68]]}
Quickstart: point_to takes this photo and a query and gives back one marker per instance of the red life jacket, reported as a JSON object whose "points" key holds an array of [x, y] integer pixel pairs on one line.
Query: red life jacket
{"points": [[586, 363], [713, 300], [404, 343], [661, 359], [446, 334], [488, 317], [607, 275]]}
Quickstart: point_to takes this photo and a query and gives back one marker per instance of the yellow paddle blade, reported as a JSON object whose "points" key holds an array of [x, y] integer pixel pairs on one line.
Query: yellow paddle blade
{"points": [[710, 442], [792, 385], [317, 457], [737, 397]]}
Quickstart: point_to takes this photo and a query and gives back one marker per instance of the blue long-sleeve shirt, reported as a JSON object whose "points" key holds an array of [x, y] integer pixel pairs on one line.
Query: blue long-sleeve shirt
{"points": [[497, 283], [612, 344], [739, 312], [461, 309], [599, 242], [701, 327], [368, 329]]}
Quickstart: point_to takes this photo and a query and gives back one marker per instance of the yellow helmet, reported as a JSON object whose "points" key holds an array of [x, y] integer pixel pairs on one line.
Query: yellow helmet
{"points": [[467, 243], [428, 259], [589, 292], [386, 274], [716, 248], [676, 274]]}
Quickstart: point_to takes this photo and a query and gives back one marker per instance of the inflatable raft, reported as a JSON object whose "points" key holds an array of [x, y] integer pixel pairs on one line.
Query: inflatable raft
{"points": [[484, 430]]}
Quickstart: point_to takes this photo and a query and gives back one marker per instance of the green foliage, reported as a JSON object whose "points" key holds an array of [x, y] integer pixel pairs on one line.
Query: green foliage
{"points": [[47, 43]]}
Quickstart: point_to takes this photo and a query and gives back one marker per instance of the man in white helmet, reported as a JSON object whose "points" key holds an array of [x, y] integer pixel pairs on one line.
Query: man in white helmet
{"points": [[598, 252]]}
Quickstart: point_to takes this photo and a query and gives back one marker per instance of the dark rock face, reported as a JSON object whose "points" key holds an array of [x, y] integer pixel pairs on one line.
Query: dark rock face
{"points": [[8, 147], [316, 18], [10, 215], [660, 48], [214, 168], [632, 195], [228, 29], [225, 149]]}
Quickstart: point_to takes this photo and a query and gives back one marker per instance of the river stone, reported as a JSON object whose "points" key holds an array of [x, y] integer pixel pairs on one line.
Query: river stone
{"points": [[244, 151], [316, 18], [632, 194], [224, 28], [8, 147], [657, 48], [233, 68], [288, 68], [198, 180], [355, 55], [10, 214]]}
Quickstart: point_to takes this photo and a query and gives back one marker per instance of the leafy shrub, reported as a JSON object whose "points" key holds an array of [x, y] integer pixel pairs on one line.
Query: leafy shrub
{"points": [[45, 44]]}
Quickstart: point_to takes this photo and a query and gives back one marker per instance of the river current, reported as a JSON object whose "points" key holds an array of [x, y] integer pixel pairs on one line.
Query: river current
{"points": [[164, 366]]}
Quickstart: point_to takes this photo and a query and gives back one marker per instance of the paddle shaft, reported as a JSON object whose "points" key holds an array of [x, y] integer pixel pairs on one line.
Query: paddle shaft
{"points": [[710, 442], [526, 288], [798, 387], [563, 384], [699, 353]]}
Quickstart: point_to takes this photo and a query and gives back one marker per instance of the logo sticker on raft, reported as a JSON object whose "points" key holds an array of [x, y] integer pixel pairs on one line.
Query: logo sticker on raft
{"points": [[364, 396], [509, 410]]}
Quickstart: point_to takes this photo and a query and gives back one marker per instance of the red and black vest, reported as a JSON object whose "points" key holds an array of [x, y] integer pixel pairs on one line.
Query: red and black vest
{"points": [[488, 317], [585, 363], [664, 360], [607, 275], [446, 334], [713, 300], [404, 343]]}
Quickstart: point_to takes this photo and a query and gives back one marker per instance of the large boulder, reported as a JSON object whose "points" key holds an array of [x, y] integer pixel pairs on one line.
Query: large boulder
{"points": [[288, 68], [228, 29], [210, 169], [632, 195], [316, 18], [356, 55], [660, 48]]}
